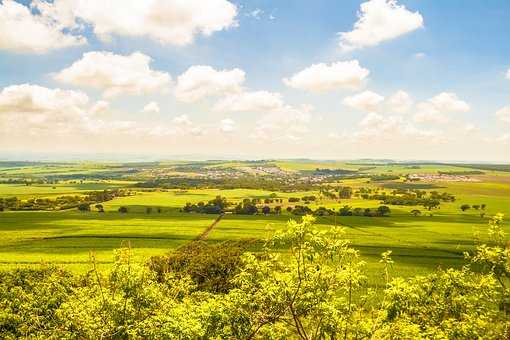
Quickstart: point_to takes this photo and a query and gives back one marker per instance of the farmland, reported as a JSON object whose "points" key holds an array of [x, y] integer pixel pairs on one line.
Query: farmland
{"points": [[70, 237]]}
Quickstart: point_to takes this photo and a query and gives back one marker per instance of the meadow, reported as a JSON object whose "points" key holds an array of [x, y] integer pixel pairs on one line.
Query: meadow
{"points": [[70, 238]]}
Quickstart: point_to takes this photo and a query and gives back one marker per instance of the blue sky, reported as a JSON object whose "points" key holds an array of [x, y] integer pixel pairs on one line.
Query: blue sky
{"points": [[449, 58]]}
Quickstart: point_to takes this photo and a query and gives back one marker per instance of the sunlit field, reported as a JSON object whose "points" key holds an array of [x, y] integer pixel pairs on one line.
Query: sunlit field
{"points": [[420, 244]]}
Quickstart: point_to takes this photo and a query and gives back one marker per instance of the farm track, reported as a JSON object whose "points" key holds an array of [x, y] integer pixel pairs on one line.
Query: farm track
{"points": [[203, 236]]}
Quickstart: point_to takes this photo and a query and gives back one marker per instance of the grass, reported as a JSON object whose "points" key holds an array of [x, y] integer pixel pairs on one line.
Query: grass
{"points": [[68, 237]]}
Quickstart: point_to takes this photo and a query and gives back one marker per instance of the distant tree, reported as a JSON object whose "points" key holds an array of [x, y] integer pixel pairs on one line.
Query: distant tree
{"points": [[476, 206], [465, 207], [416, 212], [278, 210], [483, 206], [84, 207], [482, 214], [383, 210], [431, 204], [99, 208], [266, 210], [123, 210], [246, 208], [148, 210], [293, 199], [357, 211], [300, 210], [345, 211], [345, 192], [289, 209], [159, 210]]}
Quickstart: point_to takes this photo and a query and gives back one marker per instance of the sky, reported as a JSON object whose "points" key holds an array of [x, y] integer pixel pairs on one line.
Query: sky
{"points": [[325, 79]]}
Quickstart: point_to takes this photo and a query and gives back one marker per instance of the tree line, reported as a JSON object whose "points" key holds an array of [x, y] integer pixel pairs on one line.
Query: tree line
{"points": [[82, 202]]}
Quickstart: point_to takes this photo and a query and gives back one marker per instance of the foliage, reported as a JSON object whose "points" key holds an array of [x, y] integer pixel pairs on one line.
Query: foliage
{"points": [[306, 283], [215, 206], [210, 267]]}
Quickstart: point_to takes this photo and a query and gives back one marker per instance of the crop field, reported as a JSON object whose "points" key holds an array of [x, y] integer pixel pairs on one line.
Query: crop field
{"points": [[69, 238]]}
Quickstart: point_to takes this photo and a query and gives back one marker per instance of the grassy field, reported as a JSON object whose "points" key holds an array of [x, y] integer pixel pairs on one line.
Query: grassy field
{"points": [[68, 238]]}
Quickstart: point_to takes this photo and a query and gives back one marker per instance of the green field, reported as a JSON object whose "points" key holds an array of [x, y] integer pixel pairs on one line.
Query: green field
{"points": [[69, 238]]}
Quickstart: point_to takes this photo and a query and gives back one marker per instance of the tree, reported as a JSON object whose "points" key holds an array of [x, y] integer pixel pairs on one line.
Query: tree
{"points": [[416, 212], [323, 272], [246, 208], [345, 192], [431, 204], [345, 211], [148, 210], [476, 206], [99, 208], [84, 207], [465, 207], [357, 211], [383, 210], [266, 210], [123, 210], [278, 210], [483, 206]]}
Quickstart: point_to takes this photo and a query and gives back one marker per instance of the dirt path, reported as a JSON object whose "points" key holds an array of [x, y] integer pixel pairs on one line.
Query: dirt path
{"points": [[203, 236]]}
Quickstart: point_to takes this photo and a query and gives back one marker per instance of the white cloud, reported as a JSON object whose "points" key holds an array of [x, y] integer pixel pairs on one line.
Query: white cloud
{"points": [[508, 74], [175, 22], [151, 107], [367, 101], [378, 127], [250, 102], [227, 125], [115, 74], [378, 21], [449, 102], [399, 102], [100, 107], [23, 31], [420, 55], [285, 123], [27, 108], [256, 13], [197, 131], [503, 114], [202, 81], [426, 113], [323, 77], [182, 120], [434, 110], [470, 128], [28, 98]]}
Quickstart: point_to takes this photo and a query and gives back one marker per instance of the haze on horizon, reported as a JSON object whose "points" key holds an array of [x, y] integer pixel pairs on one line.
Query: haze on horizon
{"points": [[406, 79]]}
